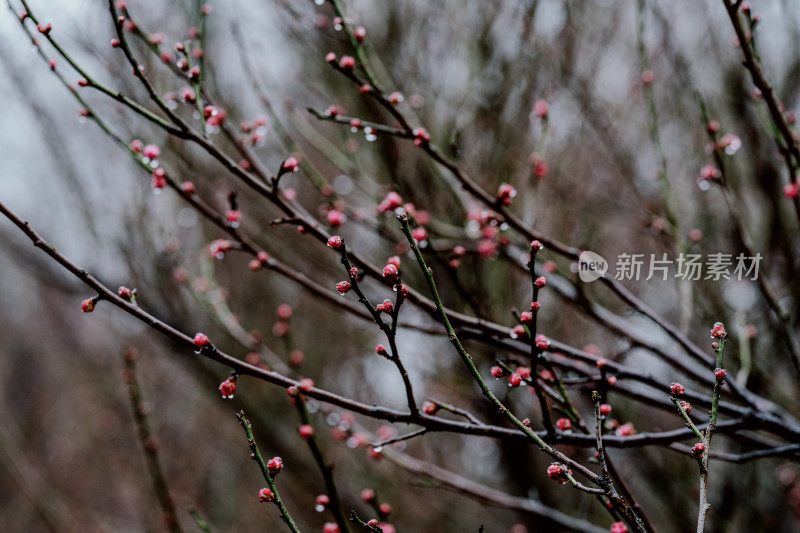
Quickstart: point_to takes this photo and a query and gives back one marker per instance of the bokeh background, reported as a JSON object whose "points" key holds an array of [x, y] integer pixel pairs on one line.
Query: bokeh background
{"points": [[470, 74]]}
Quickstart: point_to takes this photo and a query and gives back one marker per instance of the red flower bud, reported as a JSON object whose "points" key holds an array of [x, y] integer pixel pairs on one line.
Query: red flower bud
{"points": [[343, 287], [563, 424], [429, 408], [290, 165], [677, 389], [718, 331], [698, 450], [360, 34], [347, 63], [274, 466], [385, 307], [540, 282], [391, 273], [619, 527], [228, 387], [542, 342], [381, 350], [266, 495], [306, 431], [201, 341], [558, 472], [151, 151], [605, 409], [87, 306], [335, 242]]}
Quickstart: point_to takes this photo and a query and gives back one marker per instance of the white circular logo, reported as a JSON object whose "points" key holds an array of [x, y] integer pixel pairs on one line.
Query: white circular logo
{"points": [[591, 266]]}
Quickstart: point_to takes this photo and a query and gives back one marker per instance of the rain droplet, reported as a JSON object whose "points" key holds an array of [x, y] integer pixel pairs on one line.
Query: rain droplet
{"points": [[220, 255], [514, 335], [233, 225], [333, 419], [319, 508], [82, 120], [377, 449], [703, 184], [156, 191], [371, 137], [319, 2]]}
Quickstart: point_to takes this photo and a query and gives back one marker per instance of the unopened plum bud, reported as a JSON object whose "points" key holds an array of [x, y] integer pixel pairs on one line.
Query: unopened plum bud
{"points": [[87, 306]]}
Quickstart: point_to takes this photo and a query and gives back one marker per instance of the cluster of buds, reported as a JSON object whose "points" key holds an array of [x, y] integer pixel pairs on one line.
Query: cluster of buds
{"points": [[718, 331], [677, 389], [385, 307], [558, 472], [214, 115], [266, 495], [686, 406]]}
